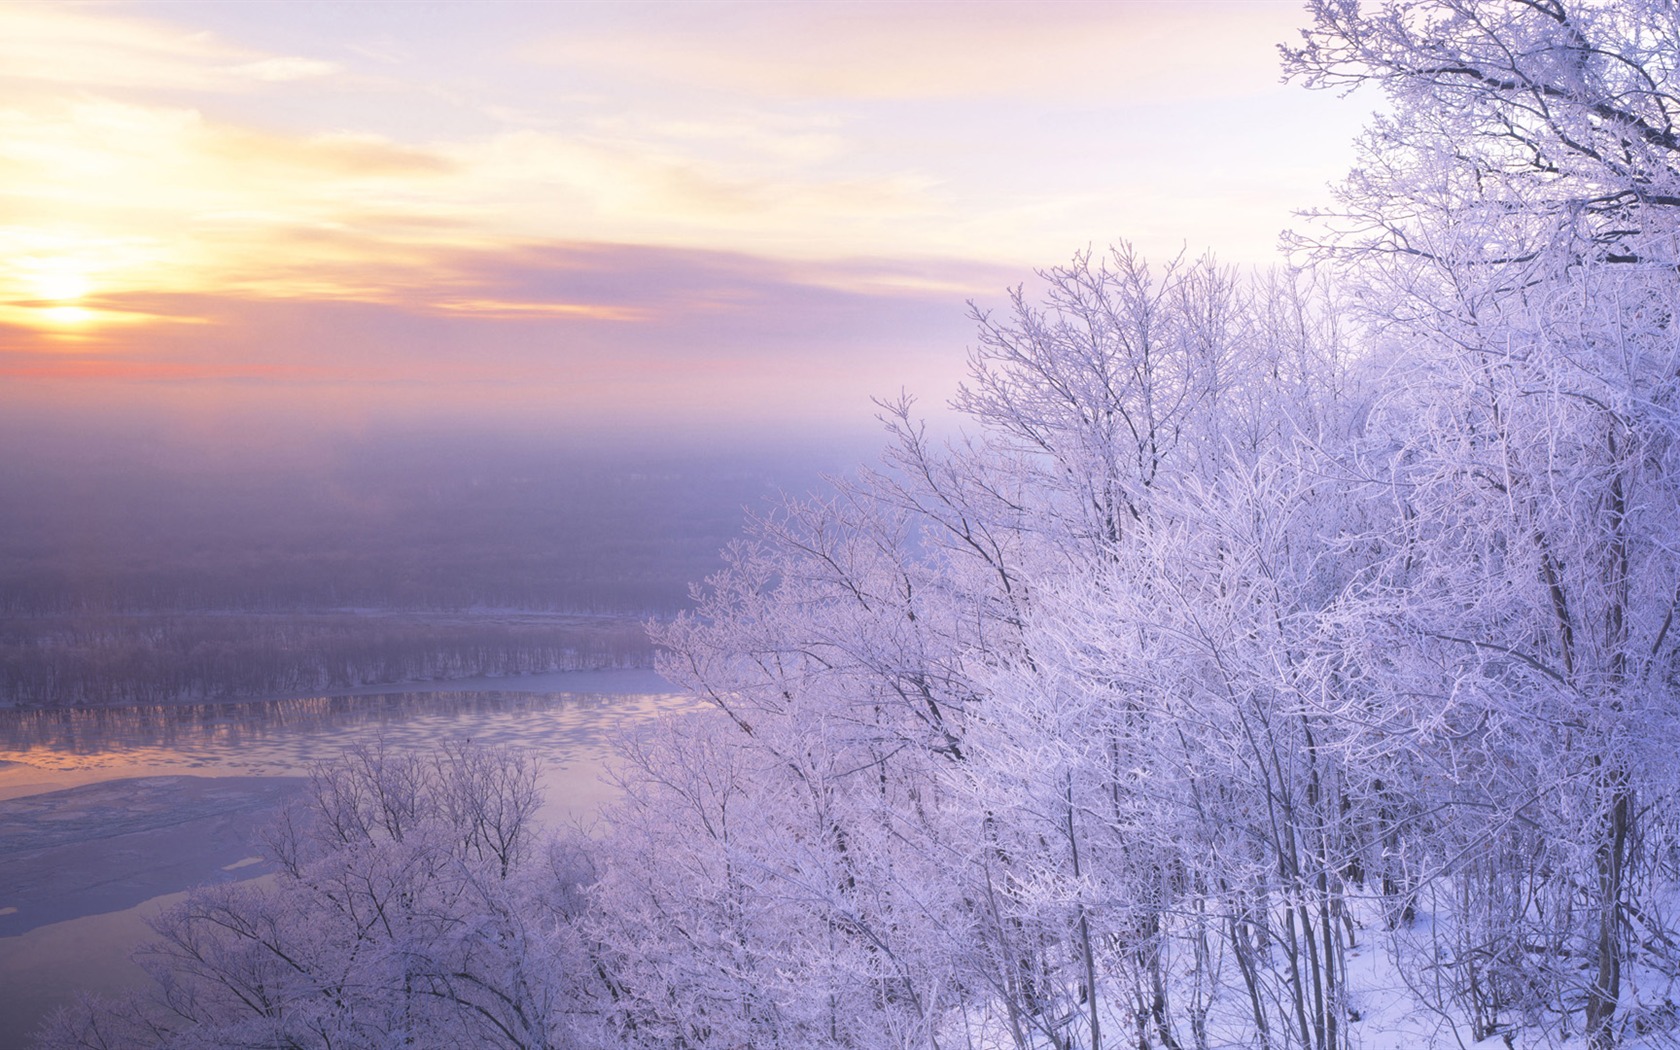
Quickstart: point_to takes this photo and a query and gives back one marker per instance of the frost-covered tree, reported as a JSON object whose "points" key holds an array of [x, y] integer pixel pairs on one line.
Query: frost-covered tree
{"points": [[1542, 127], [942, 688], [1512, 227], [411, 908]]}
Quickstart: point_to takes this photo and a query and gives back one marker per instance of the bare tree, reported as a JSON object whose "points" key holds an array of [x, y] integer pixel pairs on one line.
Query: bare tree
{"points": [[405, 912]]}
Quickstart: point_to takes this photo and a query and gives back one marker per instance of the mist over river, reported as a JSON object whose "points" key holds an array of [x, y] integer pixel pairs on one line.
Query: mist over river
{"points": [[109, 814]]}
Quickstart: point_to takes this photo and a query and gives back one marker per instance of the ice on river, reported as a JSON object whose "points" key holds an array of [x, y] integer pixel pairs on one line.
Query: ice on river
{"points": [[107, 813]]}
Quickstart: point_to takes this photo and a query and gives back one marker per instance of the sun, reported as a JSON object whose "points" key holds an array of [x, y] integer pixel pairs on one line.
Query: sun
{"points": [[72, 296], [67, 316], [54, 294]]}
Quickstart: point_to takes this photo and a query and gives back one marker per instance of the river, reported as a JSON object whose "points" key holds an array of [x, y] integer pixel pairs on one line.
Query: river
{"points": [[107, 815]]}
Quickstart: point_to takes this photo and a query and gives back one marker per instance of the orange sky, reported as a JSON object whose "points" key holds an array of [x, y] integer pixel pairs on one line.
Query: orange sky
{"points": [[691, 210]]}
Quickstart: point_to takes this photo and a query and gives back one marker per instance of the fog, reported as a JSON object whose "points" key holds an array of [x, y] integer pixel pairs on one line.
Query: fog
{"points": [[146, 558]]}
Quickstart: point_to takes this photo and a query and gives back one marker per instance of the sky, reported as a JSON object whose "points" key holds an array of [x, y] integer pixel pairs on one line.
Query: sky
{"points": [[672, 218]]}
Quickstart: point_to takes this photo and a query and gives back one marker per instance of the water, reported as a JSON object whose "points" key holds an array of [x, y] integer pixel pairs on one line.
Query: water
{"points": [[107, 815]]}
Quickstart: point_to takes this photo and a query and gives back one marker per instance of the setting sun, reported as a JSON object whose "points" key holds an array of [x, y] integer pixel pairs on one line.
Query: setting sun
{"points": [[67, 316], [48, 294]]}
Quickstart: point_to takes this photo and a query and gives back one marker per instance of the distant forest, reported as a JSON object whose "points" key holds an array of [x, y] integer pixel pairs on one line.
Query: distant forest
{"points": [[124, 581], [158, 658]]}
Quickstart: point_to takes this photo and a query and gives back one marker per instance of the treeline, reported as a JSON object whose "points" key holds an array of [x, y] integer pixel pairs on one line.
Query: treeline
{"points": [[155, 581], [651, 584], [166, 658]]}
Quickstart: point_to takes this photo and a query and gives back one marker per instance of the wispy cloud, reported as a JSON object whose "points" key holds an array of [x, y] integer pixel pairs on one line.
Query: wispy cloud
{"points": [[906, 50], [281, 69], [205, 204], [94, 48]]}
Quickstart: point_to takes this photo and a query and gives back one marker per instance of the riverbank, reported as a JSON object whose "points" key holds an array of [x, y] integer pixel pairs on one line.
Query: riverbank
{"points": [[52, 749], [130, 808]]}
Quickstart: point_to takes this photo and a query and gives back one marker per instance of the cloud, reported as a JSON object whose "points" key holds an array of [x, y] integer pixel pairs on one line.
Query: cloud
{"points": [[504, 309], [204, 203], [318, 159], [149, 197], [60, 44], [280, 70], [728, 181], [609, 332], [906, 50], [145, 157]]}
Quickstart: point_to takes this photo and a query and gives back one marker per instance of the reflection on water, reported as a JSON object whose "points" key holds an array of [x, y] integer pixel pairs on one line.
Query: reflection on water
{"points": [[69, 746], [283, 730]]}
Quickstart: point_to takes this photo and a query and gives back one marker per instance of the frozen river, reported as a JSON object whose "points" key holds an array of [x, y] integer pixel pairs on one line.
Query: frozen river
{"points": [[109, 814]]}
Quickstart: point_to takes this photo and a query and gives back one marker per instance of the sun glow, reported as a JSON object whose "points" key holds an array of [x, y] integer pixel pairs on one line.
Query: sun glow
{"points": [[67, 316], [61, 285], [58, 294], [50, 292]]}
